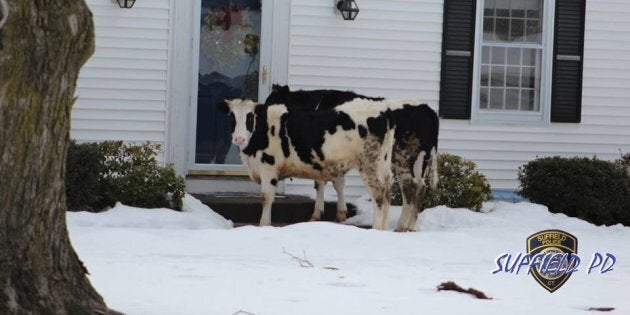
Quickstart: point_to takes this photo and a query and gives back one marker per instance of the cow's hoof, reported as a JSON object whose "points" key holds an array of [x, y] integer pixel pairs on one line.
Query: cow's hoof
{"points": [[341, 216], [401, 230], [317, 216]]}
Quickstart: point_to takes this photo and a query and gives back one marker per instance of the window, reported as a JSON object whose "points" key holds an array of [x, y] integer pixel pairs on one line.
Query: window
{"points": [[512, 60], [509, 84]]}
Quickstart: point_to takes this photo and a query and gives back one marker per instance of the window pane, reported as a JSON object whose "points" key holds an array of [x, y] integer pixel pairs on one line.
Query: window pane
{"points": [[525, 100], [534, 8], [498, 55], [489, 8], [502, 30], [485, 55], [488, 29], [511, 99], [517, 30], [528, 100], [534, 31], [485, 75], [514, 56], [530, 56], [497, 77], [496, 98], [502, 7], [513, 76], [518, 8], [483, 98], [528, 78]]}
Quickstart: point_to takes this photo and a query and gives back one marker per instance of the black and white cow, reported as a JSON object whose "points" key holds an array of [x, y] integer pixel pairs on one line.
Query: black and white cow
{"points": [[323, 145], [318, 100], [414, 160]]}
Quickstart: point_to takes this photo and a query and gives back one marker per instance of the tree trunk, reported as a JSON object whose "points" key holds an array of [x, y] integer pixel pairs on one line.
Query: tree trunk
{"points": [[43, 45]]}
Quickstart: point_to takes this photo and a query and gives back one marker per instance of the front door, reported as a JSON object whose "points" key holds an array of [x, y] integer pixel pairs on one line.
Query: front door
{"points": [[230, 65]]}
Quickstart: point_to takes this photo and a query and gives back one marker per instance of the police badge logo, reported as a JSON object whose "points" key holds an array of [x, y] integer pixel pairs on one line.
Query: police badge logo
{"points": [[553, 257]]}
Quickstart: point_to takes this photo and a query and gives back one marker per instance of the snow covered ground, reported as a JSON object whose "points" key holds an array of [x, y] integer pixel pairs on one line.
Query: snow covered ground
{"points": [[157, 261]]}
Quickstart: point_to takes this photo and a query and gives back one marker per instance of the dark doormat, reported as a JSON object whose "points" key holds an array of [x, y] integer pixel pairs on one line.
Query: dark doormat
{"points": [[286, 209]]}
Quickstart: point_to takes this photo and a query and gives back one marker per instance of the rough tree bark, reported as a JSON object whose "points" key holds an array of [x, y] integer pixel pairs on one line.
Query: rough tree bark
{"points": [[43, 45]]}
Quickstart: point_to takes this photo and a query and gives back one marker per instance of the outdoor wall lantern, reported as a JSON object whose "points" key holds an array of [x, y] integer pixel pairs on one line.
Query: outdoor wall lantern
{"points": [[127, 4], [348, 8]]}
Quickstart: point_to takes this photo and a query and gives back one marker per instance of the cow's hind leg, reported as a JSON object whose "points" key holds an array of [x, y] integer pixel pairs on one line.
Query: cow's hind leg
{"points": [[408, 189], [380, 192], [320, 185], [377, 177], [342, 209], [418, 205], [420, 173]]}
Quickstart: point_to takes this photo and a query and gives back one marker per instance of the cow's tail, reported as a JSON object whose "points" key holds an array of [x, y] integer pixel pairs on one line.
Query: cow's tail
{"points": [[425, 169], [432, 172]]}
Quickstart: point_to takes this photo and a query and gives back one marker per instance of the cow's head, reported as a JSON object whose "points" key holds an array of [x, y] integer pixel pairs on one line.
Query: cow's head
{"points": [[241, 115], [279, 94]]}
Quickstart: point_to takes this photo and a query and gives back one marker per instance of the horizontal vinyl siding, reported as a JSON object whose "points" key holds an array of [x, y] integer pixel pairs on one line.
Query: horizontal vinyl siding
{"points": [[381, 52], [393, 49], [122, 88]]}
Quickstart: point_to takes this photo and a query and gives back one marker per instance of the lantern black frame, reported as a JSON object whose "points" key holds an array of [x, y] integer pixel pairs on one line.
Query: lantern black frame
{"points": [[126, 4], [349, 9]]}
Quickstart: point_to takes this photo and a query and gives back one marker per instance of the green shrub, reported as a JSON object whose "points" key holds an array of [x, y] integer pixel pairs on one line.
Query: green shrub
{"points": [[591, 189], [460, 185], [84, 168], [624, 161], [126, 173]]}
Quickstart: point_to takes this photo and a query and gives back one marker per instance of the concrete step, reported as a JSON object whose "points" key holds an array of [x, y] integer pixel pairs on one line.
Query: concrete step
{"points": [[245, 208]]}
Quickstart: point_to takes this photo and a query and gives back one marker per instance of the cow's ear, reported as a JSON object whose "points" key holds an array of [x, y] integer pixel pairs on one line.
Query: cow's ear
{"points": [[286, 89], [223, 107], [276, 87]]}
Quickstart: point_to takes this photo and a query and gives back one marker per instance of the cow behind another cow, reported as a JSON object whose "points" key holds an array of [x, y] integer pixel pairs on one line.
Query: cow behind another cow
{"points": [[416, 140], [323, 145], [317, 100]]}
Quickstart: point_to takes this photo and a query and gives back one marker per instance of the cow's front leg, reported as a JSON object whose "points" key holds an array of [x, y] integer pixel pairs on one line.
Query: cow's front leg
{"points": [[268, 182], [342, 209], [320, 185]]}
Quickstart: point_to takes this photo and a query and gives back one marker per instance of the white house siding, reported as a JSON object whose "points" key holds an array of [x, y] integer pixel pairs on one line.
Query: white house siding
{"points": [[122, 89], [393, 49]]}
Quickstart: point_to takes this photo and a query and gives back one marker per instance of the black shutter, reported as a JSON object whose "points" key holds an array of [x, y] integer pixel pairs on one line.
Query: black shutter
{"points": [[458, 42], [568, 58]]}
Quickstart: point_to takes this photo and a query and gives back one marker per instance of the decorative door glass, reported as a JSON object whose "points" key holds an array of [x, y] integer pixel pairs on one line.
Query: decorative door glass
{"points": [[229, 60]]}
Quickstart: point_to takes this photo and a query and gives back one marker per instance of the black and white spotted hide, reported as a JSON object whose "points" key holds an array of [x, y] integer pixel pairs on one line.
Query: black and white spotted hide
{"points": [[414, 162], [312, 100], [415, 157], [276, 143]]}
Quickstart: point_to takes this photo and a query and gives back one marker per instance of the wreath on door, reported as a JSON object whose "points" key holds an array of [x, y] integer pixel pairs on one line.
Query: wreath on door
{"points": [[224, 31]]}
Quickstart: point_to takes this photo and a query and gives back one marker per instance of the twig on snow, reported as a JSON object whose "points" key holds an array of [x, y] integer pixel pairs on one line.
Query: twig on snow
{"points": [[241, 312], [602, 309], [302, 261], [452, 286]]}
